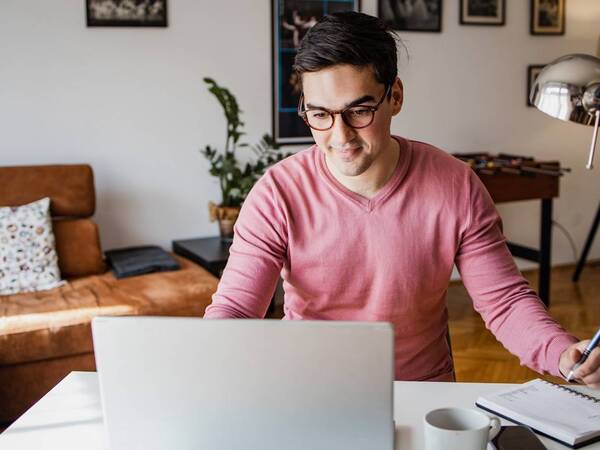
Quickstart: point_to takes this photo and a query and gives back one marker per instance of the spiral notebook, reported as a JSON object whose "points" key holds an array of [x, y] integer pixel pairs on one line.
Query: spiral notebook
{"points": [[552, 410]]}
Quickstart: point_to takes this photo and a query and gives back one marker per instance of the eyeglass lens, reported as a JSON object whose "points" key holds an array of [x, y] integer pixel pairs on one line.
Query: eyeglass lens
{"points": [[355, 117]]}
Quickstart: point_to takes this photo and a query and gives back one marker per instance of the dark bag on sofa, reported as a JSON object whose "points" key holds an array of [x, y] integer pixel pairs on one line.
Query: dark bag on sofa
{"points": [[131, 261]]}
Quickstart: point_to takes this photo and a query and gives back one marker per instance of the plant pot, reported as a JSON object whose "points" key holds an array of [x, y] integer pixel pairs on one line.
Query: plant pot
{"points": [[226, 216], [226, 229]]}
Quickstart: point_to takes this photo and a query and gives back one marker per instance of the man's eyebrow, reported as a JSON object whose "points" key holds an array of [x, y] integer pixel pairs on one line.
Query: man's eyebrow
{"points": [[358, 101]]}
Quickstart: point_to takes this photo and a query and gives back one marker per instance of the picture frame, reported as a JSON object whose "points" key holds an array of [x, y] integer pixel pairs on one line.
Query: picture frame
{"points": [[290, 21], [126, 13], [548, 17], [533, 70], [483, 12], [411, 15]]}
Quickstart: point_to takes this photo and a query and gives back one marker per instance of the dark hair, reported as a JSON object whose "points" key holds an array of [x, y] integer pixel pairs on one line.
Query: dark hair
{"points": [[349, 38]]}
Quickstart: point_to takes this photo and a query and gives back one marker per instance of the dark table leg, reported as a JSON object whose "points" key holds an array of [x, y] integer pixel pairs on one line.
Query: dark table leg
{"points": [[588, 244], [545, 251]]}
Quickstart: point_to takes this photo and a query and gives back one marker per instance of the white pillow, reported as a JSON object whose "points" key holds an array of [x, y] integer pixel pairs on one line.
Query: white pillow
{"points": [[28, 260]]}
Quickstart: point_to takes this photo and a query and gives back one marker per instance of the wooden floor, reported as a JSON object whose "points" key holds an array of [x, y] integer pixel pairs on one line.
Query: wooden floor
{"points": [[478, 357]]}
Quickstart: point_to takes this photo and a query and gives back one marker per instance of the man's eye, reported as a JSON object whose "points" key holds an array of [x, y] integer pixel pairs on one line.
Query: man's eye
{"points": [[359, 112], [318, 114]]}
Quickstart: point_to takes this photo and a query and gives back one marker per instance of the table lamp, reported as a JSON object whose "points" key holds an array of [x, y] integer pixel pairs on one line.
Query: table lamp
{"points": [[569, 89]]}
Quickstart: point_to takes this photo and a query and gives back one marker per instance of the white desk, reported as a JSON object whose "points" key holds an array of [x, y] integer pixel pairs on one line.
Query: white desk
{"points": [[70, 415]]}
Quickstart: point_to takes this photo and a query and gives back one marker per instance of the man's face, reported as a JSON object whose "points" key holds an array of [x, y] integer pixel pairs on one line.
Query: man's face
{"points": [[349, 151]]}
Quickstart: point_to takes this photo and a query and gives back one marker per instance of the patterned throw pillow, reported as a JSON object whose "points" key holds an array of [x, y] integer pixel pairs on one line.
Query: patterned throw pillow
{"points": [[28, 260]]}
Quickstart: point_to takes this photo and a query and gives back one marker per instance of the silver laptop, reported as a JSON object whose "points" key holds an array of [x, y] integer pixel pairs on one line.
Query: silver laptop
{"points": [[187, 383]]}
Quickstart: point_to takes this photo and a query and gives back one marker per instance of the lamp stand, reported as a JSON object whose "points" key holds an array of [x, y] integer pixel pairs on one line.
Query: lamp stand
{"points": [[588, 244], [590, 163], [592, 234]]}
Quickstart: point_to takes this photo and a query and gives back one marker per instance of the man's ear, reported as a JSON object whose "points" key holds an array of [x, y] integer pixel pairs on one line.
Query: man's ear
{"points": [[397, 96]]}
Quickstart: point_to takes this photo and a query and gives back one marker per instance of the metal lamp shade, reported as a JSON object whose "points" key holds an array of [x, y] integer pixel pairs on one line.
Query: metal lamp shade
{"points": [[569, 89]]}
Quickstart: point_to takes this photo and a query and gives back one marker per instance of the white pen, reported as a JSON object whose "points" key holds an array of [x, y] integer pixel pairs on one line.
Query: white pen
{"points": [[593, 343]]}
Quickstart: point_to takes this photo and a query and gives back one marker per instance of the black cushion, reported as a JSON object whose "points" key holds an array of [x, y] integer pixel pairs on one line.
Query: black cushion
{"points": [[131, 261]]}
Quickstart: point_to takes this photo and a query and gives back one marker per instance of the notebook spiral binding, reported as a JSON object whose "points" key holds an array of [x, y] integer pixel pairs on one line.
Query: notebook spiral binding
{"points": [[574, 392]]}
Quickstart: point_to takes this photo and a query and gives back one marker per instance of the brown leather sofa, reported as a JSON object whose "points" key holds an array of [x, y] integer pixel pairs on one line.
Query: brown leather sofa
{"points": [[45, 335]]}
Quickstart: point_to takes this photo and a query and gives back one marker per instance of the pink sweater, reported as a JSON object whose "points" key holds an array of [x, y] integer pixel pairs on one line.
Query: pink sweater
{"points": [[345, 257]]}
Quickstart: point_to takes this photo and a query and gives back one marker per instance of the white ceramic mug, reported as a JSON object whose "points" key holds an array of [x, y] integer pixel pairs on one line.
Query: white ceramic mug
{"points": [[459, 429]]}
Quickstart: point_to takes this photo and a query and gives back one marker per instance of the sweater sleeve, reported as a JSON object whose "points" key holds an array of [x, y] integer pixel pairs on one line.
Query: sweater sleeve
{"points": [[255, 257], [509, 307]]}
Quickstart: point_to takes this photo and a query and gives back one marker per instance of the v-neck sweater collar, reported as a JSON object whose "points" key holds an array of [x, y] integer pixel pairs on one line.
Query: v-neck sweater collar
{"points": [[386, 190]]}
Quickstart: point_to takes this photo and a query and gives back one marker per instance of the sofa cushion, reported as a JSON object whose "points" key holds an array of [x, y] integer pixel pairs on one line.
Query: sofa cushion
{"points": [[69, 186], [56, 323], [78, 247], [28, 260]]}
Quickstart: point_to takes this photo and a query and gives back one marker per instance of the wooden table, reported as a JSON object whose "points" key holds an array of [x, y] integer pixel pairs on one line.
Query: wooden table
{"points": [[211, 253], [506, 187]]}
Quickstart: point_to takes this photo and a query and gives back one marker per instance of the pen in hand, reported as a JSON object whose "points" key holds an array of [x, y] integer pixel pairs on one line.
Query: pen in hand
{"points": [[593, 343]]}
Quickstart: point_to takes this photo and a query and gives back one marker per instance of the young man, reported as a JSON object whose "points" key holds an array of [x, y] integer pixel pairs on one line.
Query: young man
{"points": [[367, 226]]}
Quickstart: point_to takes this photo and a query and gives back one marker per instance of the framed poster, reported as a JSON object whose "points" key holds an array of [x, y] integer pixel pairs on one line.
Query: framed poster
{"points": [[533, 71], [482, 12], [548, 17], [291, 19], [126, 13], [411, 15]]}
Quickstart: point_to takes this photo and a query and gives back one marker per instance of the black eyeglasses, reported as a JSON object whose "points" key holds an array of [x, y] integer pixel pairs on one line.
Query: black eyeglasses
{"points": [[358, 116]]}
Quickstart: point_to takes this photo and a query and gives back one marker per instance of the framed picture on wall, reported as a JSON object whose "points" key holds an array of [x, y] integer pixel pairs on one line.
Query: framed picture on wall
{"points": [[548, 16], [411, 15], [533, 71], [482, 12], [126, 13], [291, 19]]}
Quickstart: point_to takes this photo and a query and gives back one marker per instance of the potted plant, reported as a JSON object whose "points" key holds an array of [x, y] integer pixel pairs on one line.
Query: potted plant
{"points": [[235, 179]]}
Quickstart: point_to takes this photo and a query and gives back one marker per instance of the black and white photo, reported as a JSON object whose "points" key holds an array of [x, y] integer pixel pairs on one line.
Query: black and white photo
{"points": [[291, 21], [126, 13], [548, 16], [533, 71], [482, 12], [412, 15]]}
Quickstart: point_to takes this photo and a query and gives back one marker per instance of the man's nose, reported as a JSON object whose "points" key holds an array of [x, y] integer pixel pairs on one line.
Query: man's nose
{"points": [[341, 133]]}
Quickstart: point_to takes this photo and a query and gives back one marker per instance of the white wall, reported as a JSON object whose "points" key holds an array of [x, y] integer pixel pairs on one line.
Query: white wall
{"points": [[132, 103]]}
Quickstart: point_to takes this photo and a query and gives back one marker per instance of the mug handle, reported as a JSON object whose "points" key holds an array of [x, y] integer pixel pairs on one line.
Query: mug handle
{"points": [[494, 427]]}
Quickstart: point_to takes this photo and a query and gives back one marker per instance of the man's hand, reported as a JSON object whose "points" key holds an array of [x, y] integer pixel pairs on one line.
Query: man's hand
{"points": [[589, 372]]}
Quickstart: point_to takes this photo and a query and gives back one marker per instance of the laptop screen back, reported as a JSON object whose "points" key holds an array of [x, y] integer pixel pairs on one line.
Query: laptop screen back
{"points": [[189, 383]]}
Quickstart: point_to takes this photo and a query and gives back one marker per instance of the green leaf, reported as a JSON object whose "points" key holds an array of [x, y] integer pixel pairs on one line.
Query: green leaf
{"points": [[235, 181]]}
